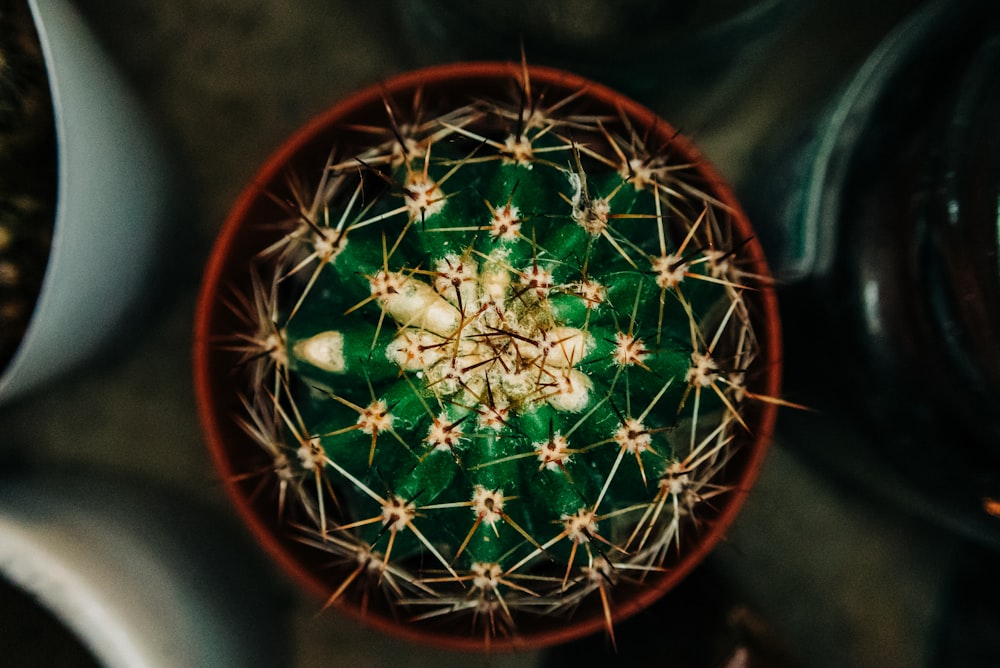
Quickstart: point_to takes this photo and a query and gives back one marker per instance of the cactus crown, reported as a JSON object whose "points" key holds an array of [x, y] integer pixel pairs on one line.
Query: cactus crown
{"points": [[497, 358]]}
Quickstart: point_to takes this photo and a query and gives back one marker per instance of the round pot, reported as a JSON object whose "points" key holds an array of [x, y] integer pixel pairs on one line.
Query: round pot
{"points": [[136, 574], [111, 203], [245, 232], [898, 206]]}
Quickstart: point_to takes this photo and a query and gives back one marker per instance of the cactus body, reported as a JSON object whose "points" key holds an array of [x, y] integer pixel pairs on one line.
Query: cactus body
{"points": [[500, 358]]}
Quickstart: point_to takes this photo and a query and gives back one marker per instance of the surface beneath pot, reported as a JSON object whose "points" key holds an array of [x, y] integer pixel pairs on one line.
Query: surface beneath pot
{"points": [[841, 578]]}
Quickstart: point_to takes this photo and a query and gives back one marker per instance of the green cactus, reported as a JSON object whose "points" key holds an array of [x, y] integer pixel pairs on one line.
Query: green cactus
{"points": [[498, 358]]}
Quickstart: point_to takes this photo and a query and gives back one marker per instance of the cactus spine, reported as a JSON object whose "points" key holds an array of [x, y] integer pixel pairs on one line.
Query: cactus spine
{"points": [[497, 358]]}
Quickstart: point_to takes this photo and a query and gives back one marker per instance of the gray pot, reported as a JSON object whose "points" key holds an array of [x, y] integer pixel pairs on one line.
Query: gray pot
{"points": [[111, 204], [142, 577]]}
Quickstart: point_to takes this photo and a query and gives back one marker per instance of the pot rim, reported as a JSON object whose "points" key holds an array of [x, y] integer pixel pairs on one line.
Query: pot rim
{"points": [[211, 416]]}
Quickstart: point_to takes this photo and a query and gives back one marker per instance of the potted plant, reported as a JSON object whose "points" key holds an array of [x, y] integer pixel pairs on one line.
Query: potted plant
{"points": [[487, 355], [99, 199], [27, 173], [128, 573], [889, 227]]}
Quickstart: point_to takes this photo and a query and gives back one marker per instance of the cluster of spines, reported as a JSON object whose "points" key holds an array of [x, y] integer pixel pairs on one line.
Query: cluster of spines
{"points": [[475, 341]]}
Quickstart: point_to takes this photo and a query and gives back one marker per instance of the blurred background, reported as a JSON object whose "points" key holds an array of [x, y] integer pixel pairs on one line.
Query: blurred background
{"points": [[842, 556]]}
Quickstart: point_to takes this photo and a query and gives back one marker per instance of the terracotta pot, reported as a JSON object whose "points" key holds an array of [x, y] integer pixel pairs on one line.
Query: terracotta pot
{"points": [[243, 235]]}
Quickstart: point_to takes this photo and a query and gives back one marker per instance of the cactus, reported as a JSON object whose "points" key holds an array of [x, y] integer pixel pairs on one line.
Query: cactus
{"points": [[497, 358]]}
